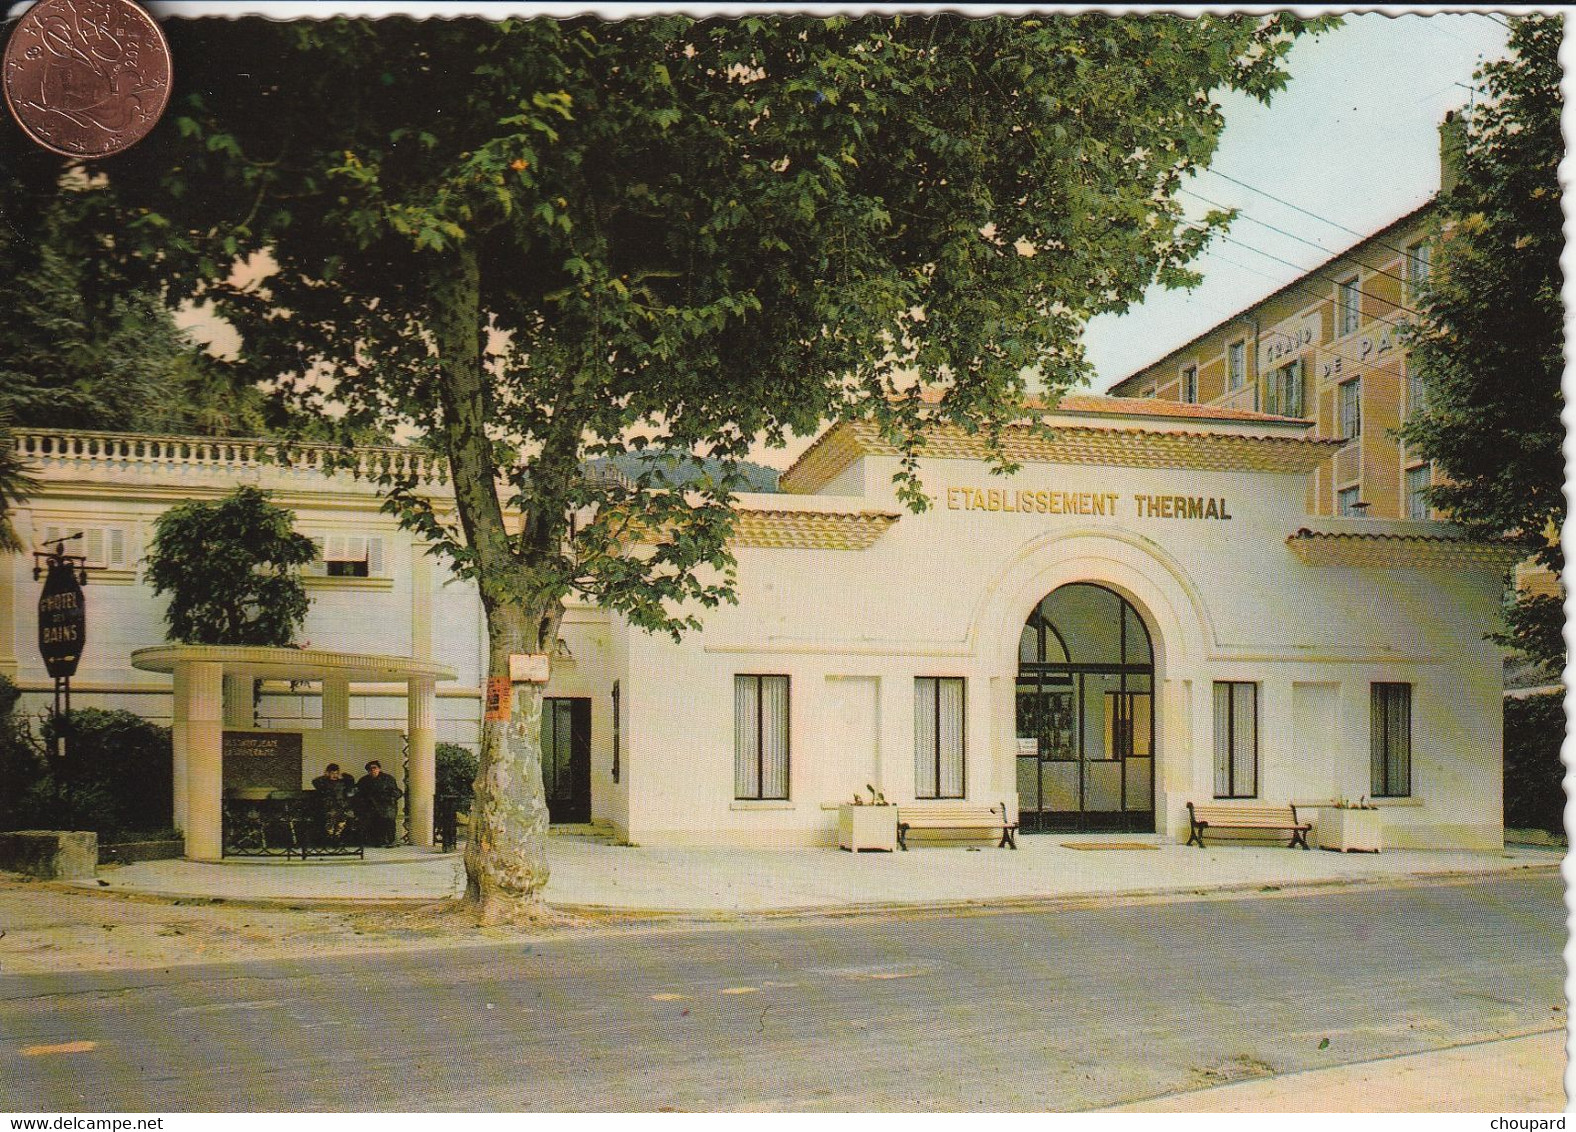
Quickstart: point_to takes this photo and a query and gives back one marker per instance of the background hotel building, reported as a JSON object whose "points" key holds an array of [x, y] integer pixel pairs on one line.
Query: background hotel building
{"points": [[1325, 347], [1144, 614]]}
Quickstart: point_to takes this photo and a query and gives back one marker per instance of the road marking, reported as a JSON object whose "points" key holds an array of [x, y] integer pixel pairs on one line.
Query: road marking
{"points": [[874, 971], [740, 990], [216, 1007], [666, 997], [62, 1047]]}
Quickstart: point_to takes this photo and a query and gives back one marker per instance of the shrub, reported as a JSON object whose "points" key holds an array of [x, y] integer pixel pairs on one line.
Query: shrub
{"points": [[115, 777], [456, 773], [1534, 776]]}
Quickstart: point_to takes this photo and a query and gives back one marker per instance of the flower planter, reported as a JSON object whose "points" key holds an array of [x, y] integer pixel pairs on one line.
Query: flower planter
{"points": [[1350, 831], [866, 827]]}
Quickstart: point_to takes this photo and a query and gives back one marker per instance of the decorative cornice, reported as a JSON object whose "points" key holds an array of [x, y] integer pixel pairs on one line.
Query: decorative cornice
{"points": [[810, 530], [1327, 548], [1108, 445]]}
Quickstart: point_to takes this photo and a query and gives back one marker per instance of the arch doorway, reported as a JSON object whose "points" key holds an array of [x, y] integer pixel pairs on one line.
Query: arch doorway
{"points": [[1085, 714]]}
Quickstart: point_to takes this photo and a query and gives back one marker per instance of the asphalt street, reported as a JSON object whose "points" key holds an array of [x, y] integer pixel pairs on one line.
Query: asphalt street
{"points": [[1062, 1010]]}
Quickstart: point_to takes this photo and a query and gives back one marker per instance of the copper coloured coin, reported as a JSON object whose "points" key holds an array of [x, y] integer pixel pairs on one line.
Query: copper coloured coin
{"points": [[86, 78]]}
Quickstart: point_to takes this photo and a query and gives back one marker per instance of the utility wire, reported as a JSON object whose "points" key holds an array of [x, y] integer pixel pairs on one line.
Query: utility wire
{"points": [[1304, 211], [1334, 255]]}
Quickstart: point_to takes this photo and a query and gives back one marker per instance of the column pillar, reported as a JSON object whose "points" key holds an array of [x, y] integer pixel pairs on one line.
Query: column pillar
{"points": [[238, 706], [336, 703], [180, 741], [421, 773], [204, 699]]}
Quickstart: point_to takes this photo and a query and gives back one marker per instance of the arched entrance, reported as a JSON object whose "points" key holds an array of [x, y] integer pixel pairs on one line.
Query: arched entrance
{"points": [[1085, 714]]}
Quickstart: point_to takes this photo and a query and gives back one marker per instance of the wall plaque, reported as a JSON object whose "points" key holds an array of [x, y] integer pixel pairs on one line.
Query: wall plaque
{"points": [[262, 759]]}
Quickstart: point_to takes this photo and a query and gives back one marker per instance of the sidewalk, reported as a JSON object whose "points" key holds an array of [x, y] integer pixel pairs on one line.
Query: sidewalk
{"points": [[588, 874]]}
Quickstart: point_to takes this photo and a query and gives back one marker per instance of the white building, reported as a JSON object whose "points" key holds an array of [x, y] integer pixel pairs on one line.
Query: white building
{"points": [[1141, 616]]}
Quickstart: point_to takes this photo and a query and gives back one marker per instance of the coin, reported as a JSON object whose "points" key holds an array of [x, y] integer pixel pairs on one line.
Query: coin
{"points": [[86, 78]]}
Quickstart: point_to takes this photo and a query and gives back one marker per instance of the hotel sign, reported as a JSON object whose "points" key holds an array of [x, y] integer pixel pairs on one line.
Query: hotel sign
{"points": [[62, 620], [1104, 503], [1288, 339]]}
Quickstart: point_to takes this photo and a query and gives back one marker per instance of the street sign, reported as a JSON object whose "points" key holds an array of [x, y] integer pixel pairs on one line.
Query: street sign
{"points": [[62, 620]]}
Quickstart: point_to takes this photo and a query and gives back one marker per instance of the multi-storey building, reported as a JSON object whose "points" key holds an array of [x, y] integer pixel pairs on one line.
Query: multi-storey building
{"points": [[1326, 348]]}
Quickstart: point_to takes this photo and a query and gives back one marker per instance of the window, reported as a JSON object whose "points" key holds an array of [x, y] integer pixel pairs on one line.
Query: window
{"points": [[1283, 392], [1348, 503], [1236, 739], [348, 556], [1190, 384], [617, 730], [1391, 744], [1417, 483], [938, 737], [1348, 307], [102, 547], [1351, 409], [1419, 266], [760, 737], [1236, 365], [1416, 391]]}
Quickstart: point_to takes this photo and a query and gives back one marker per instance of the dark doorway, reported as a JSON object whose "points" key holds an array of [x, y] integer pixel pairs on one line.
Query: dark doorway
{"points": [[1085, 714], [566, 758]]}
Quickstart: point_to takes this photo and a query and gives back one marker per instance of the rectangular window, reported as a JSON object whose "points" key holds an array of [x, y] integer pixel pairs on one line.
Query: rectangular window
{"points": [[102, 547], [348, 556], [1392, 740], [938, 737], [1236, 365], [1348, 307], [1190, 384], [1351, 408], [1419, 266], [1348, 503], [1236, 739], [760, 737], [1416, 392], [1283, 393], [1417, 483]]}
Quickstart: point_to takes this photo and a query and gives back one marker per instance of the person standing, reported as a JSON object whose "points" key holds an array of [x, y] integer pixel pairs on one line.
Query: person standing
{"points": [[333, 791], [377, 796]]}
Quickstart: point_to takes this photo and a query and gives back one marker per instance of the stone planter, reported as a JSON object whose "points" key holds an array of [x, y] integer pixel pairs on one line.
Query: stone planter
{"points": [[129, 852], [867, 827], [1350, 831]]}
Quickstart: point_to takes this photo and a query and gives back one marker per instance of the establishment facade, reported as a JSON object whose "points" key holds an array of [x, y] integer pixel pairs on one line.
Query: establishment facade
{"points": [[1145, 613]]}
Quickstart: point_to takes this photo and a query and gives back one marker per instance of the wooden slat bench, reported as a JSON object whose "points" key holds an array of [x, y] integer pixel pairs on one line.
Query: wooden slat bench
{"points": [[955, 816], [1253, 816]]}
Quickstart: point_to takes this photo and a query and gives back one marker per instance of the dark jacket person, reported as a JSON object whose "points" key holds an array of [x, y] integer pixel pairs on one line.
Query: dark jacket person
{"points": [[377, 797], [333, 792]]}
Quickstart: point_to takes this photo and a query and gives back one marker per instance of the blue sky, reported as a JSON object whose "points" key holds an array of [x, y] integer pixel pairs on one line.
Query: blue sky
{"points": [[1353, 140]]}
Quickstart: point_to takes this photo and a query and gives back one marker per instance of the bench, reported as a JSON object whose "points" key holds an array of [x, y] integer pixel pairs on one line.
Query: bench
{"points": [[955, 816], [1260, 816]]}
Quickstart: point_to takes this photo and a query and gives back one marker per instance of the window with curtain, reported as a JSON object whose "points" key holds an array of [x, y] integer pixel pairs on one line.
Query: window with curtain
{"points": [[1417, 484], [760, 738], [1348, 307], [1236, 739], [1391, 713], [938, 737], [1351, 409], [1236, 364], [1190, 384]]}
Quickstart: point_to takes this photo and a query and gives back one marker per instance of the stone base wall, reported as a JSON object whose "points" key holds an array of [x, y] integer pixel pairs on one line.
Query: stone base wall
{"points": [[50, 854]]}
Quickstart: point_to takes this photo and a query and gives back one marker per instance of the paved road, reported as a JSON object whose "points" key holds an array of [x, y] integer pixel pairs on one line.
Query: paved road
{"points": [[1067, 1009]]}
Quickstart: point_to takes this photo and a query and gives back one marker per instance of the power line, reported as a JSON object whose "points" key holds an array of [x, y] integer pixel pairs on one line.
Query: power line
{"points": [[1306, 212], [1334, 255]]}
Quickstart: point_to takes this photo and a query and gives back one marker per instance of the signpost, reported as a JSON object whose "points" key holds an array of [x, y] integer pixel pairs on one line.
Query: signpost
{"points": [[62, 623]]}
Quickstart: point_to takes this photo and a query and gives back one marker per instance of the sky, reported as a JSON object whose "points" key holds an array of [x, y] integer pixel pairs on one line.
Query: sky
{"points": [[1352, 140]]}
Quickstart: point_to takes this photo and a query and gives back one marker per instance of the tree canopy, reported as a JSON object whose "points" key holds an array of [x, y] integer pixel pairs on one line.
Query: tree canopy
{"points": [[1490, 344], [537, 243], [232, 570]]}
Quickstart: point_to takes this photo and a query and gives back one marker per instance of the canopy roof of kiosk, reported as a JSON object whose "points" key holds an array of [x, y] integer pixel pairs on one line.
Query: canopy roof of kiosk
{"points": [[292, 664]]}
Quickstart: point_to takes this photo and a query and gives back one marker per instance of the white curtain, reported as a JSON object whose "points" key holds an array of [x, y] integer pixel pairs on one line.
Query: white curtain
{"points": [[746, 733], [774, 736], [1245, 739], [938, 737]]}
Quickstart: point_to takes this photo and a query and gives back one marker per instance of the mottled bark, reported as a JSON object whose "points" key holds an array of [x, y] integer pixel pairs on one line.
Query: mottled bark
{"points": [[506, 853]]}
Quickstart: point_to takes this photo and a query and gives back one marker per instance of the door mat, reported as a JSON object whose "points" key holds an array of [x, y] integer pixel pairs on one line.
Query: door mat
{"points": [[1091, 845]]}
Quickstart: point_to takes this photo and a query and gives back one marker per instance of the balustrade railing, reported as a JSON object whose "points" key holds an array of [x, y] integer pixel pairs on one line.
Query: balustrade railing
{"points": [[44, 447]]}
